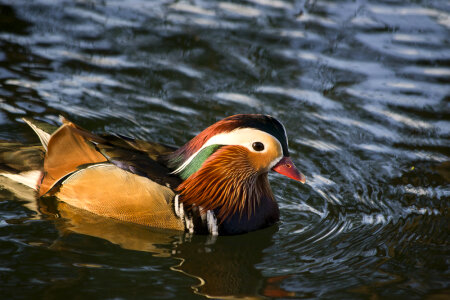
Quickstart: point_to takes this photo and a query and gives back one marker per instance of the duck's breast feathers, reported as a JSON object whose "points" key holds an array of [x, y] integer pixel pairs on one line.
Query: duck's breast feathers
{"points": [[71, 148]]}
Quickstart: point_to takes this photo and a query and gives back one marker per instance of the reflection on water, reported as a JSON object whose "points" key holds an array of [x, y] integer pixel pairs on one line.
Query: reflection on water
{"points": [[222, 267], [362, 87]]}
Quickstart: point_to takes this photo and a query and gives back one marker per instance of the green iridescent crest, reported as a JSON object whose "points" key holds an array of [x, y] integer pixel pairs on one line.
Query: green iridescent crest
{"points": [[198, 160]]}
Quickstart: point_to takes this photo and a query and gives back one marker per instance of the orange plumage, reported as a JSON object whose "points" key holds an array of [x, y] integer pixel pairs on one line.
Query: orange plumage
{"points": [[226, 181]]}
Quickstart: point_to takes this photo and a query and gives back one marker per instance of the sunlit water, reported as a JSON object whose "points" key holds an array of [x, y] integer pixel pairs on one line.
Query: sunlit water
{"points": [[361, 86]]}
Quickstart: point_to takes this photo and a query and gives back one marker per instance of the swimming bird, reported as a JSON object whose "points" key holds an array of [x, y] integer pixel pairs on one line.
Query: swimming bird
{"points": [[217, 183]]}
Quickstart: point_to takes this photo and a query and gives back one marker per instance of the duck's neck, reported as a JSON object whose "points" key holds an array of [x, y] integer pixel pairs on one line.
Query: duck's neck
{"points": [[249, 206]]}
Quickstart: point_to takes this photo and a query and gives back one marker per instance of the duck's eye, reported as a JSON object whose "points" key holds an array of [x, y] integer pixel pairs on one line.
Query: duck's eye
{"points": [[258, 146]]}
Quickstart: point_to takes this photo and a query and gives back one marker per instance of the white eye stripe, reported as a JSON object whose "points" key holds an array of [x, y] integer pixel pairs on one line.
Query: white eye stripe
{"points": [[274, 162], [242, 136]]}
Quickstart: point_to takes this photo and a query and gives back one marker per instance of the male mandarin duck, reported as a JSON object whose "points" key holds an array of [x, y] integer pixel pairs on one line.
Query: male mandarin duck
{"points": [[216, 183]]}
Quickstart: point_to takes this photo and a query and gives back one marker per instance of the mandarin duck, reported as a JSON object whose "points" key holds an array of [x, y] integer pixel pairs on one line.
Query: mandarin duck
{"points": [[217, 183]]}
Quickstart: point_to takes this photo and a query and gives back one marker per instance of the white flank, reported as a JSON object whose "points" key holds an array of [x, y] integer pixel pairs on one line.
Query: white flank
{"points": [[30, 178]]}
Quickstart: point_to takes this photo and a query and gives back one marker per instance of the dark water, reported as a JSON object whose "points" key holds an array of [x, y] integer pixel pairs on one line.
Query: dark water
{"points": [[362, 87]]}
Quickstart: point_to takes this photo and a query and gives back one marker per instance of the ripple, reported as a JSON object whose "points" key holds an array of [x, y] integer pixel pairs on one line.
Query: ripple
{"points": [[316, 180], [377, 130], [374, 219], [273, 4], [3, 223], [189, 8], [368, 68], [329, 197], [410, 87], [389, 45], [431, 192], [202, 21], [304, 207], [239, 10], [179, 67], [104, 20], [90, 266], [319, 145], [238, 98], [415, 39], [310, 97], [412, 18], [386, 97], [434, 71], [316, 19], [11, 109], [166, 104], [398, 118], [414, 155], [367, 22], [100, 61]]}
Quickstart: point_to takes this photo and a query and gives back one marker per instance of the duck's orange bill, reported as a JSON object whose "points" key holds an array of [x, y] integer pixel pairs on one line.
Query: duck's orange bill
{"points": [[287, 168]]}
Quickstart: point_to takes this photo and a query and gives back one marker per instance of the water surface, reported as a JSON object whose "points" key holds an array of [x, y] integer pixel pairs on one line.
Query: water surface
{"points": [[361, 86]]}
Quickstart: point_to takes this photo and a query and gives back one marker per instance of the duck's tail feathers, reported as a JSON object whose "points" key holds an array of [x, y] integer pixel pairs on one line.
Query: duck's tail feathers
{"points": [[43, 130]]}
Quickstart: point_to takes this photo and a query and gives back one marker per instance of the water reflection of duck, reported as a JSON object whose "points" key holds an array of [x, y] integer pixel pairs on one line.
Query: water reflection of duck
{"points": [[224, 266], [217, 183]]}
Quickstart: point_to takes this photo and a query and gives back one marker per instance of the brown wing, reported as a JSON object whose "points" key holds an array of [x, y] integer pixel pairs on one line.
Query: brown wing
{"points": [[68, 148], [107, 190]]}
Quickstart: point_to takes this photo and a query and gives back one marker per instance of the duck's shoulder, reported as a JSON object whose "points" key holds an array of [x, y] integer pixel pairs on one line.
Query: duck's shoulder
{"points": [[152, 149], [139, 157]]}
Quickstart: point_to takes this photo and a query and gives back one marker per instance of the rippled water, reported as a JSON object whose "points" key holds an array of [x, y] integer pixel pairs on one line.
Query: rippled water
{"points": [[362, 87]]}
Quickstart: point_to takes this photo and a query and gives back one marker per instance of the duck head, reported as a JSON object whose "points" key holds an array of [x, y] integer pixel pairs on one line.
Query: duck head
{"points": [[225, 167]]}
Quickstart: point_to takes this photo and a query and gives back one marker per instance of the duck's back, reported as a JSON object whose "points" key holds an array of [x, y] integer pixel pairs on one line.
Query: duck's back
{"points": [[110, 176]]}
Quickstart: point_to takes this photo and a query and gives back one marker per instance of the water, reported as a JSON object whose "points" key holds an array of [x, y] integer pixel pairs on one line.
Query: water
{"points": [[361, 86]]}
